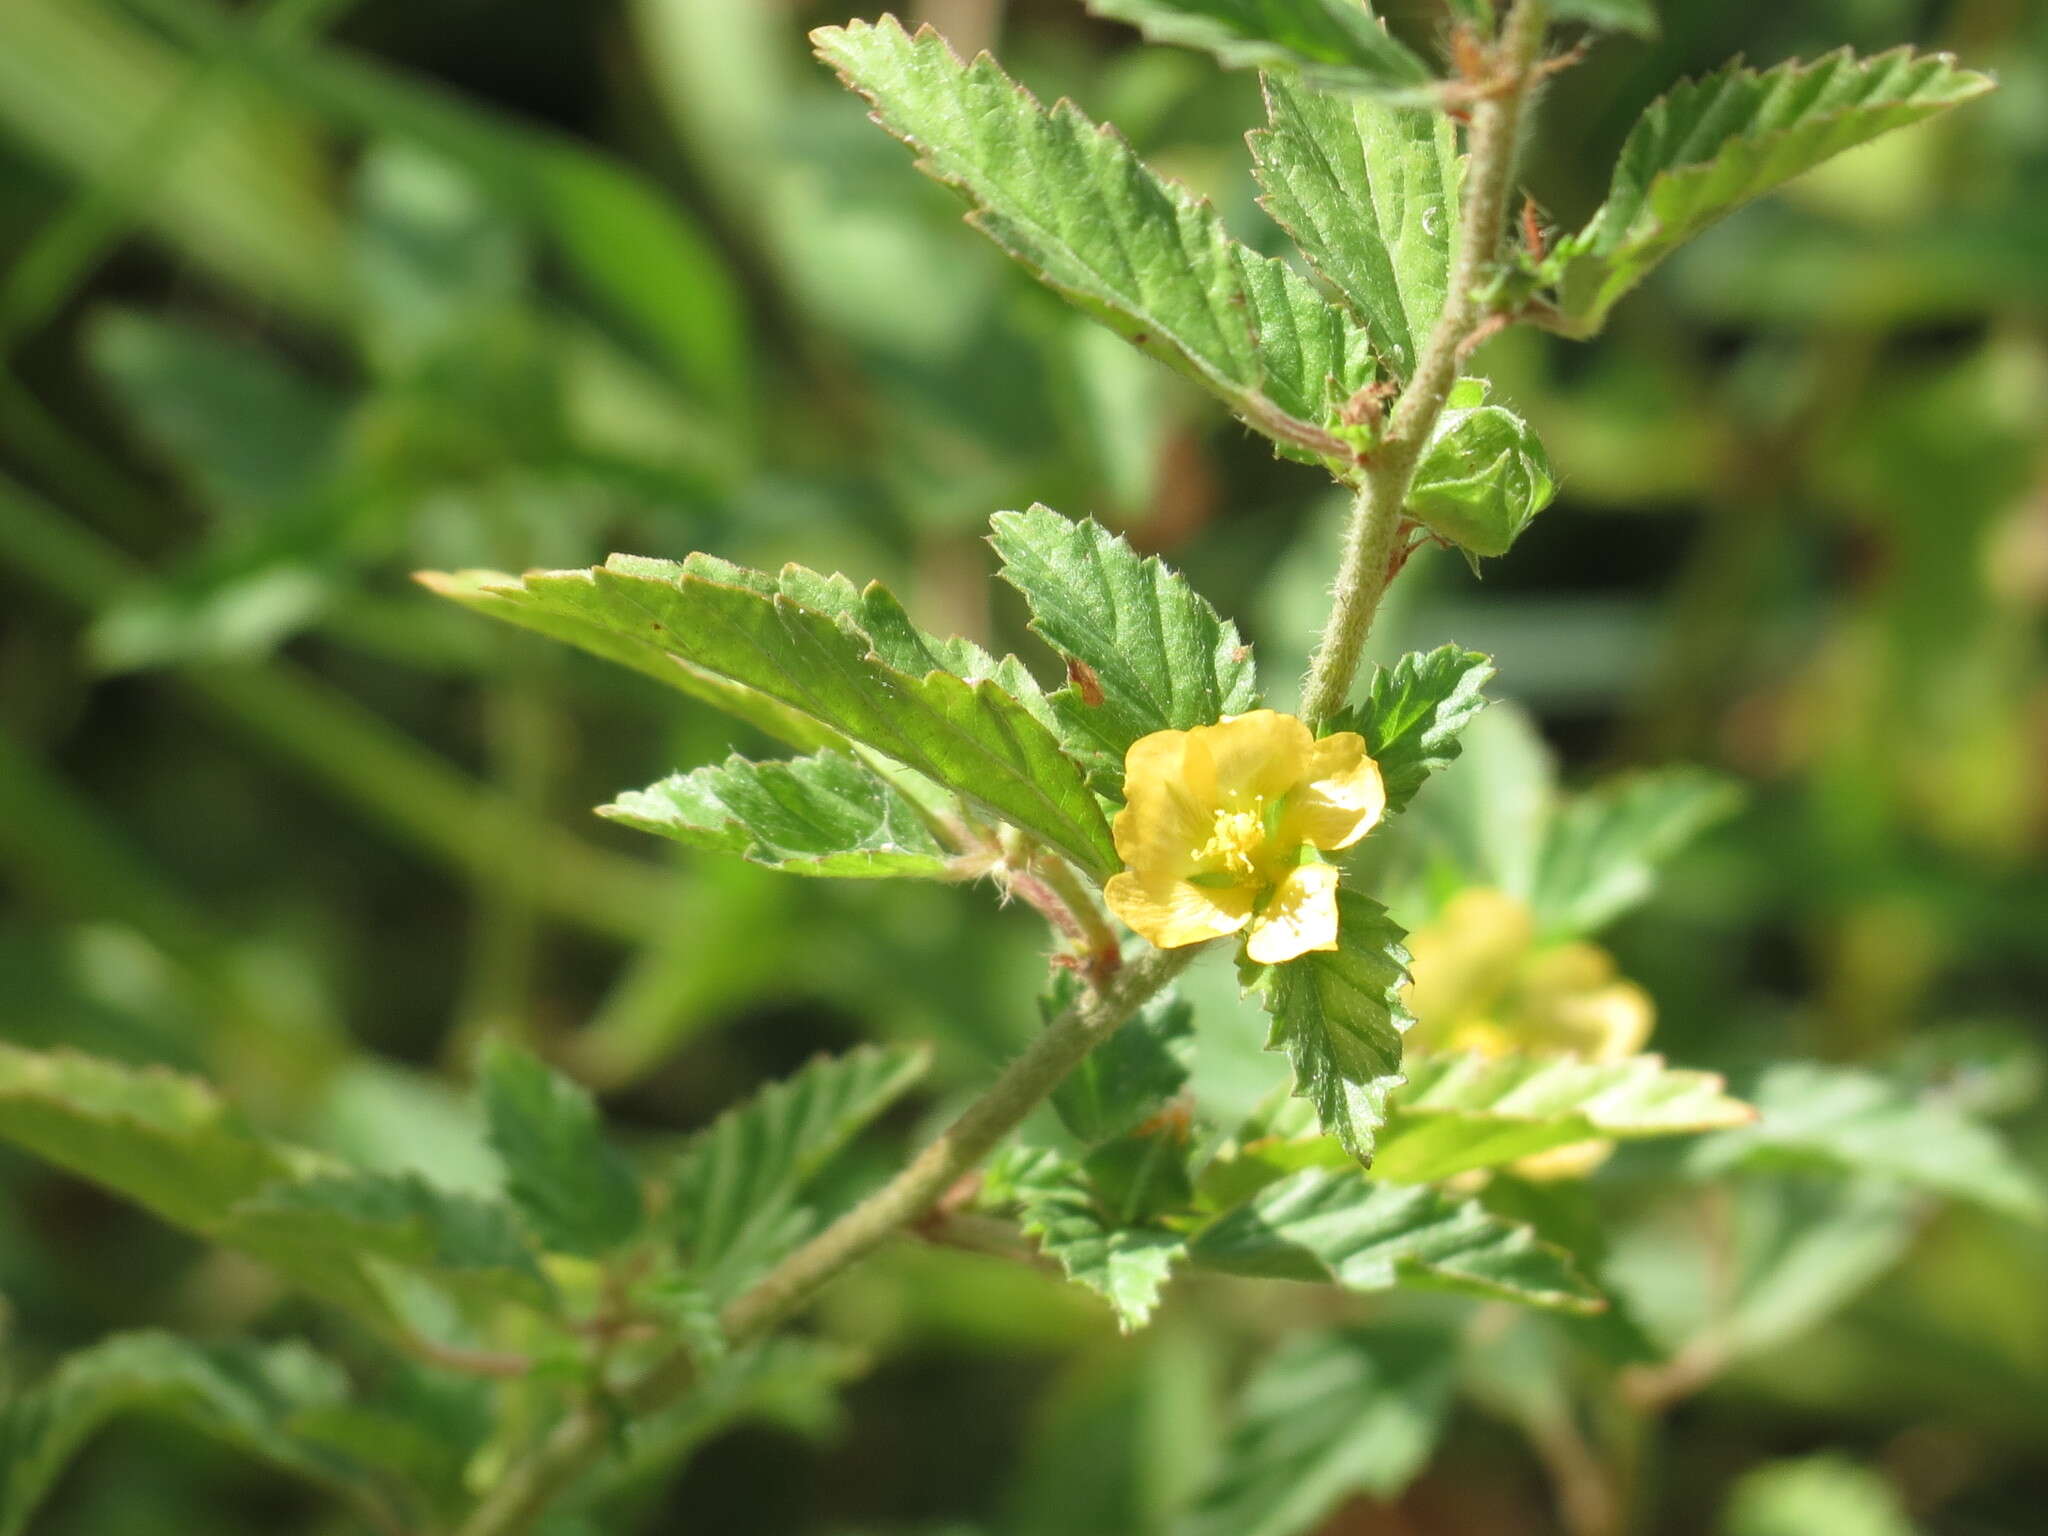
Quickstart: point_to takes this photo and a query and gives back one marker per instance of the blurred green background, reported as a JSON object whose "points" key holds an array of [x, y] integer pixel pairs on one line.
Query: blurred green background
{"points": [[297, 296]]}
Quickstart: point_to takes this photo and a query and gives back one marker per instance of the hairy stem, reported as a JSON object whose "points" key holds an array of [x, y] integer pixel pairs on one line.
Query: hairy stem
{"points": [[1376, 515], [581, 1438]]}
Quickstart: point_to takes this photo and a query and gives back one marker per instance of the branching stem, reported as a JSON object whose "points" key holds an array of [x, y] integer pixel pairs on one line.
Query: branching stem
{"points": [[1370, 538]]}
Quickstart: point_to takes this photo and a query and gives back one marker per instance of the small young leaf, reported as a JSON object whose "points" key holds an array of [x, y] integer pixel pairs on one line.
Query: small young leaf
{"points": [[246, 1394], [1127, 1265], [572, 1185], [1369, 193], [1328, 1416], [978, 738], [825, 815], [734, 1192], [1162, 658], [1072, 203], [1339, 1016], [1413, 713], [1331, 43], [1713, 144], [1339, 1227], [1483, 478], [1132, 1075], [1602, 850], [1458, 1112], [1634, 16]]}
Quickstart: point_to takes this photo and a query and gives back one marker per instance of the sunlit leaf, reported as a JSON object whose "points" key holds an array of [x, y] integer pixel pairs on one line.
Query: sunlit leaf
{"points": [[1414, 712], [1333, 43]]}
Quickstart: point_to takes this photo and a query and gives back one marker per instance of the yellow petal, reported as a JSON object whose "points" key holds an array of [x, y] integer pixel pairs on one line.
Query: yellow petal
{"points": [[1344, 797], [1463, 961], [1172, 912], [1302, 916], [1259, 756], [1573, 1001], [1170, 802], [1574, 1161]]}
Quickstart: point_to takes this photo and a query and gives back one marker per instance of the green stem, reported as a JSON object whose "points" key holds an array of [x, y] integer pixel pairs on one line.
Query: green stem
{"points": [[578, 1441], [1376, 515]]}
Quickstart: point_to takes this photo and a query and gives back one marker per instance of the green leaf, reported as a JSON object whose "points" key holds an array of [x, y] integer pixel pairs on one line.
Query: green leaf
{"points": [[1369, 192], [470, 1245], [822, 815], [245, 1394], [1333, 43], [165, 1141], [1413, 713], [1072, 203], [1458, 1112], [1827, 1493], [733, 1194], [1601, 854], [1854, 1122], [1634, 16], [1713, 144], [573, 1186], [1330, 1415], [1133, 1074], [1125, 1264], [1157, 656], [1339, 1017], [1339, 1227], [976, 738], [1484, 476]]}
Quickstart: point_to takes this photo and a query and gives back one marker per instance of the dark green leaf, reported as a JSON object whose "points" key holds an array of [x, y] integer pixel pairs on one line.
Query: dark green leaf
{"points": [[822, 815], [1413, 712], [1131, 1076], [1126, 1264], [570, 1183], [1634, 16], [1157, 656], [1333, 43]]}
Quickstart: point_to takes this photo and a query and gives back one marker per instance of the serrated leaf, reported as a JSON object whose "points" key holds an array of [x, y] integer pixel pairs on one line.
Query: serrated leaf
{"points": [[470, 1245], [1483, 478], [975, 737], [734, 1192], [1158, 657], [1458, 1112], [1339, 1227], [1333, 43], [246, 1394], [1330, 1415], [1133, 1074], [1859, 1123], [1126, 1265], [1070, 201], [1714, 144], [1369, 192], [1339, 1017], [826, 815], [1601, 852], [1413, 713], [1638, 17], [577, 1192]]}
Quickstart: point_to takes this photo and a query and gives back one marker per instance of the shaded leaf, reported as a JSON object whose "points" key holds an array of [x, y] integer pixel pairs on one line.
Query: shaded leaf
{"points": [[1333, 43], [572, 1185], [1133, 1074], [1638, 17], [1413, 713]]}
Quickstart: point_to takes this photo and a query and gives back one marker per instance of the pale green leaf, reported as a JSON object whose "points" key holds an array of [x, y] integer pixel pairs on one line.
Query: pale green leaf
{"points": [[1339, 1017], [1603, 848], [1157, 656], [979, 739], [1369, 193], [1414, 712], [572, 1185], [1634, 16], [1071, 202], [1133, 1074], [1713, 144], [826, 815], [1333, 43], [1336, 1226], [1483, 477], [1860, 1123], [733, 1195], [1125, 1264], [245, 1394], [1328, 1416], [1819, 1493], [1458, 1112], [470, 1245]]}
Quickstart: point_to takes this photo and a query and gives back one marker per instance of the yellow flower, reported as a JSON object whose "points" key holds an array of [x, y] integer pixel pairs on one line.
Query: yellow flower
{"points": [[1222, 825]]}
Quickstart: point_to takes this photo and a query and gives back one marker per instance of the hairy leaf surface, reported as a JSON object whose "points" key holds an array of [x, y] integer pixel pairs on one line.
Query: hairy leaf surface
{"points": [[1413, 712]]}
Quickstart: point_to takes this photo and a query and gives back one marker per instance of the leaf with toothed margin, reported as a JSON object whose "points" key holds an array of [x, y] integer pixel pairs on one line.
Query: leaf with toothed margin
{"points": [[1413, 712], [1332, 43], [1070, 201]]}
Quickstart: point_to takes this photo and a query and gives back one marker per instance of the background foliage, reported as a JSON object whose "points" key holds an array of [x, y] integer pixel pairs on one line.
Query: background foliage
{"points": [[301, 295]]}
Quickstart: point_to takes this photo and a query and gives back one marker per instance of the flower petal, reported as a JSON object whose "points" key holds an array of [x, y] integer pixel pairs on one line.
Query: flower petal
{"points": [[1302, 916], [1261, 755], [1172, 913], [1344, 797], [1169, 802]]}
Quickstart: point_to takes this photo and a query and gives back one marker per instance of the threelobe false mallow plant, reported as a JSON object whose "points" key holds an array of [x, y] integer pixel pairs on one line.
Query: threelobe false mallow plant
{"points": [[1150, 806]]}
